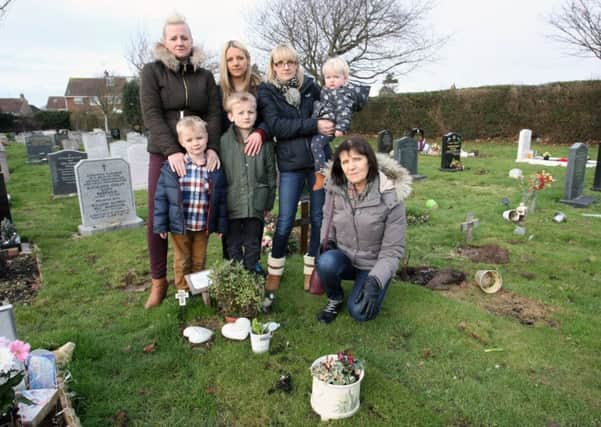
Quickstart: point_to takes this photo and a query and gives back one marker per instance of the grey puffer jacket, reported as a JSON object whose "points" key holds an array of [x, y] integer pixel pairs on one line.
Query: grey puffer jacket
{"points": [[372, 234], [170, 88]]}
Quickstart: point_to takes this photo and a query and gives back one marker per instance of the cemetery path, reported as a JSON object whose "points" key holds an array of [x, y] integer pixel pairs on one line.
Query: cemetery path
{"points": [[19, 279]]}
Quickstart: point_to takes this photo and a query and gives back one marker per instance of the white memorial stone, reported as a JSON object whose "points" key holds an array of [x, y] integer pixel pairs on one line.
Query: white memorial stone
{"points": [[139, 160], [238, 330], [106, 198], [4, 163], [95, 145], [197, 334], [524, 145], [119, 149]]}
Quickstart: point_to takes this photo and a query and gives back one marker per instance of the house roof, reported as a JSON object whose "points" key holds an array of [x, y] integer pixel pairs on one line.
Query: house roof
{"points": [[56, 103], [92, 86], [17, 106]]}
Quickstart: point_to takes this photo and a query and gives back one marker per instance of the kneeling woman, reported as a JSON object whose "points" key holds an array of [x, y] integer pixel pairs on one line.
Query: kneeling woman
{"points": [[365, 241]]}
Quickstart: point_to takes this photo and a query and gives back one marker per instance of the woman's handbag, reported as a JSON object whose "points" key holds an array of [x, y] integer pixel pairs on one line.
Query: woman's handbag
{"points": [[316, 286]]}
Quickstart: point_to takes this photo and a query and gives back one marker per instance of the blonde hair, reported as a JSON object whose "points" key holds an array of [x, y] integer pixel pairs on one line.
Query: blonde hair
{"points": [[251, 80], [337, 65], [237, 98], [176, 19], [191, 122], [283, 52]]}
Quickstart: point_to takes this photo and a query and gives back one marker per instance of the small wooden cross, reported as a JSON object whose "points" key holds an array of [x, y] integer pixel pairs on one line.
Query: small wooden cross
{"points": [[468, 226], [182, 296]]}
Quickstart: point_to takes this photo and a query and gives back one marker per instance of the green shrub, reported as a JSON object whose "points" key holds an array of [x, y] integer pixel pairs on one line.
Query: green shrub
{"points": [[236, 291]]}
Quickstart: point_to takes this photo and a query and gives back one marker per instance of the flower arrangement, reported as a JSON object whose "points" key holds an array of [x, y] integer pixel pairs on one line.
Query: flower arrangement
{"points": [[456, 164], [12, 371], [537, 181], [546, 155], [343, 369]]}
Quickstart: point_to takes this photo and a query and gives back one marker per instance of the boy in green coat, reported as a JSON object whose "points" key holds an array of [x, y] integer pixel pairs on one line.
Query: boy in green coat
{"points": [[251, 182]]}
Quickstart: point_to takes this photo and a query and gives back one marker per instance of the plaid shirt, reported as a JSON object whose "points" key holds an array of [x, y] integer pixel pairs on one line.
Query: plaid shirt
{"points": [[195, 195]]}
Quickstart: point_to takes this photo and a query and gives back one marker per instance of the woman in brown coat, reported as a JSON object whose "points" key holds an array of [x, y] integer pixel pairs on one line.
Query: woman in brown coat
{"points": [[173, 86]]}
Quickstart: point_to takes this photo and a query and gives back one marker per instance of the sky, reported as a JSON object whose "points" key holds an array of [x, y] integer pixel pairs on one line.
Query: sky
{"points": [[43, 43]]}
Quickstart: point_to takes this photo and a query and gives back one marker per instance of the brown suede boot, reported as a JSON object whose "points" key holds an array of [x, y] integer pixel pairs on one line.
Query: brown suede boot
{"points": [[308, 270], [275, 270], [158, 291], [319, 181]]}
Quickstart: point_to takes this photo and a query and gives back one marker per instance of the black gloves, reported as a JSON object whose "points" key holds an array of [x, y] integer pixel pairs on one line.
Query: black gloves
{"points": [[368, 297], [329, 246]]}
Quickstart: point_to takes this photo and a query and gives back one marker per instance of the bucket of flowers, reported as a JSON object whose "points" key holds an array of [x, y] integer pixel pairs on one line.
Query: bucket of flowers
{"points": [[12, 371], [336, 385], [531, 184]]}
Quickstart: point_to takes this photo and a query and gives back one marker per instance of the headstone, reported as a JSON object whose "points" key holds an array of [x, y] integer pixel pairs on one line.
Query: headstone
{"points": [[75, 135], [3, 138], [468, 226], [38, 147], [4, 163], [136, 138], [405, 153], [106, 199], [384, 141], [22, 137], [70, 144], [450, 155], [119, 149], [59, 137], [524, 145], [4, 204], [597, 182], [115, 134], [577, 157], [95, 145], [62, 171], [139, 160]]}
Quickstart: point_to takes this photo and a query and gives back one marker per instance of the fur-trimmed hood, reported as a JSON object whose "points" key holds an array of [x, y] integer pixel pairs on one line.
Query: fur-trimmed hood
{"points": [[162, 54], [392, 176]]}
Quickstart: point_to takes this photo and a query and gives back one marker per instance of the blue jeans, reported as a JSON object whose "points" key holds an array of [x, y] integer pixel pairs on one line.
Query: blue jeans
{"points": [[334, 266], [290, 189]]}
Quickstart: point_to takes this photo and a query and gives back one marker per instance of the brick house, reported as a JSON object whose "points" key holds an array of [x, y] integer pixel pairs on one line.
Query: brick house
{"points": [[16, 106]]}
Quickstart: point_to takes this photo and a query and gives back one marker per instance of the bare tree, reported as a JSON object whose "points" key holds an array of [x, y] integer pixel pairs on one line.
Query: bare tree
{"points": [[4, 6], [139, 51], [578, 25], [376, 37], [108, 98]]}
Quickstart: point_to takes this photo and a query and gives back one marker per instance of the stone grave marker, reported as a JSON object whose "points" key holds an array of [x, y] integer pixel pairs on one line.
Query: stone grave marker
{"points": [[4, 163], [467, 227], [70, 144], [405, 153], [95, 145], [3, 138], [577, 157], [59, 137], [597, 182], [75, 135], [21, 138], [524, 145], [136, 138], [38, 147], [115, 134], [384, 141], [4, 204], [106, 198], [62, 171], [119, 149], [139, 161], [450, 154]]}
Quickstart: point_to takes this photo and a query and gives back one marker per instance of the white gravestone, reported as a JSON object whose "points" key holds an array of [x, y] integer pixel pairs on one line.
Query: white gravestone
{"points": [[136, 138], [106, 198], [119, 149], [139, 160], [95, 145], [4, 163], [524, 145]]}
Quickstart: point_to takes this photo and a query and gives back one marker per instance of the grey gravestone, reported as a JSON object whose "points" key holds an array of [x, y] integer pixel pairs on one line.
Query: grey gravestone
{"points": [[59, 138], [106, 198], [139, 160], [75, 135], [70, 144], [38, 147], [22, 137], [467, 227], [405, 153], [450, 154], [119, 149], [136, 138], [4, 163], [577, 157], [384, 141], [95, 145], [597, 182], [62, 171], [115, 134], [4, 205]]}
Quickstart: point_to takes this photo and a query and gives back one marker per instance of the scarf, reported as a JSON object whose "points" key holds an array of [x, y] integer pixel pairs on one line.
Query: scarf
{"points": [[289, 90]]}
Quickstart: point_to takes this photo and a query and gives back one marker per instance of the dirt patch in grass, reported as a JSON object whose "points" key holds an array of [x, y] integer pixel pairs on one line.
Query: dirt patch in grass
{"points": [[489, 254], [19, 279], [430, 277], [505, 303]]}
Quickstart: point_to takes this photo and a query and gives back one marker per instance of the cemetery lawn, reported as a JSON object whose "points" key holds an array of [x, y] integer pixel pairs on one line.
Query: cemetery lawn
{"points": [[528, 356]]}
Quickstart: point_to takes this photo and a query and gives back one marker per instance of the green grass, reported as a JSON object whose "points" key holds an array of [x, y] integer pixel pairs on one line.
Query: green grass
{"points": [[421, 368]]}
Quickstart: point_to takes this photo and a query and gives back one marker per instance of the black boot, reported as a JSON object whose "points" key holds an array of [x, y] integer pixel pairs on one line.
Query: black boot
{"points": [[329, 313]]}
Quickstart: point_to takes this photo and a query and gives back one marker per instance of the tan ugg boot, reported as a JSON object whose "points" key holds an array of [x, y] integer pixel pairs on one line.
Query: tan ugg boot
{"points": [[308, 270], [320, 179], [158, 291], [275, 270]]}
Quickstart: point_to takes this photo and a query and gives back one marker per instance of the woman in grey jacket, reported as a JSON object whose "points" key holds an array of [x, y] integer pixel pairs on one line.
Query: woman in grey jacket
{"points": [[365, 241]]}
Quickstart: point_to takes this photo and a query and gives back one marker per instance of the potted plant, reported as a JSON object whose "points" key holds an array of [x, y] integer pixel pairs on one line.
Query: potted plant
{"points": [[336, 385], [8, 235], [260, 336], [235, 290], [12, 371]]}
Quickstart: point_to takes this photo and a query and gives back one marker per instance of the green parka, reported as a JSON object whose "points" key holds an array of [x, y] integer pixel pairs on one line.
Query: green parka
{"points": [[251, 181]]}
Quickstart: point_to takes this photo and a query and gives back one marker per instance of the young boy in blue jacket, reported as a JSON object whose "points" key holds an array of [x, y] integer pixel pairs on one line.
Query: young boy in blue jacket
{"points": [[192, 206]]}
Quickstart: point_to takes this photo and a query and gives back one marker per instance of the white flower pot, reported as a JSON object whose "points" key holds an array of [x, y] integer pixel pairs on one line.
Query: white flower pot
{"points": [[260, 343], [335, 401]]}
